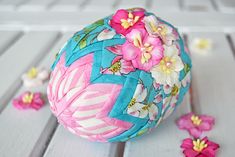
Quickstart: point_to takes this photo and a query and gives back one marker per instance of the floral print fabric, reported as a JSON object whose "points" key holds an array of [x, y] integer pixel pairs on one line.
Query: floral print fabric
{"points": [[142, 53]]}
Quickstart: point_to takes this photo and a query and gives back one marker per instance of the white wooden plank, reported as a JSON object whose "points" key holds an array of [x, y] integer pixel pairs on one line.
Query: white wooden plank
{"points": [[227, 6], [22, 131], [213, 79], [132, 4], [19, 57], [59, 20], [7, 39], [198, 5], [100, 6], [10, 5], [65, 144], [35, 5], [66, 5], [164, 141], [166, 5]]}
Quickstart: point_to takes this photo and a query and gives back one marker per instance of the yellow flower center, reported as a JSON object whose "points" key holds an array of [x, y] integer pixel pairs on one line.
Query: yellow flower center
{"points": [[130, 21], [132, 102], [159, 29], [196, 120], [203, 44], [199, 145], [145, 48], [145, 107], [32, 73], [174, 90], [115, 67], [166, 64], [27, 98]]}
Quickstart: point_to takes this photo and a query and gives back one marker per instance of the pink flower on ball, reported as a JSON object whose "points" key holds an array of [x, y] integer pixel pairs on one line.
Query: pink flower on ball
{"points": [[195, 125], [29, 100], [143, 50], [124, 21]]}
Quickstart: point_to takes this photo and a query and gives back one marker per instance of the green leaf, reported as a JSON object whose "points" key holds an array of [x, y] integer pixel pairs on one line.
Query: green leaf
{"points": [[82, 43], [141, 132], [186, 68], [83, 40], [93, 26], [77, 38]]}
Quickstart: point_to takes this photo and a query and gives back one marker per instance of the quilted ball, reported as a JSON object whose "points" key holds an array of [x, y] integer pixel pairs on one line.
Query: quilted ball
{"points": [[119, 77]]}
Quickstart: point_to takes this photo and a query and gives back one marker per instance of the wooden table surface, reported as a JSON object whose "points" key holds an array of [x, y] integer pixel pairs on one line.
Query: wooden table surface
{"points": [[32, 32]]}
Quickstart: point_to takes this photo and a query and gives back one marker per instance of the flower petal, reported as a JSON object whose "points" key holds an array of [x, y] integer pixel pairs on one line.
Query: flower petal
{"points": [[153, 110], [129, 51], [187, 143], [120, 14], [195, 132]]}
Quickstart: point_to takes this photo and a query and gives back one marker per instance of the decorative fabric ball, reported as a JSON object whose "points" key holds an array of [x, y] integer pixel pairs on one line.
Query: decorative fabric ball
{"points": [[119, 77]]}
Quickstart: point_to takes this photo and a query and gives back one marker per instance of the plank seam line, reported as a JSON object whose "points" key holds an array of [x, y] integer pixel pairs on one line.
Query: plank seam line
{"points": [[8, 94], [44, 140], [11, 42], [116, 4], [84, 4], [21, 3], [120, 149], [231, 44], [214, 5], [149, 4], [191, 92], [50, 5], [181, 5]]}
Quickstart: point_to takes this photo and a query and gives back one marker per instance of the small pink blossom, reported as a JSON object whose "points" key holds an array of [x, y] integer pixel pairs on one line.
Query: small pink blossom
{"points": [[29, 100], [119, 65], [199, 147], [195, 125], [142, 50], [123, 21]]}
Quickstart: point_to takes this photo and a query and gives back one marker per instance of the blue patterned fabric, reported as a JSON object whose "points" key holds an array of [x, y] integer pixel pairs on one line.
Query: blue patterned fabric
{"points": [[85, 42]]}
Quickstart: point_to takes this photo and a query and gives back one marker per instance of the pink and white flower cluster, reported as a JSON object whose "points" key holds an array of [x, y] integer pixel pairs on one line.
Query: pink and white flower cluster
{"points": [[149, 46]]}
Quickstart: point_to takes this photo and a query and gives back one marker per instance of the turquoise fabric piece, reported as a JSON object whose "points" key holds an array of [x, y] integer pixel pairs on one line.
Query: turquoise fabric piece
{"points": [[85, 42]]}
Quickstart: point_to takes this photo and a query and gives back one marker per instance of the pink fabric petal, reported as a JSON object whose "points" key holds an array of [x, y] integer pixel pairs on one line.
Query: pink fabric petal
{"points": [[126, 66], [138, 13], [118, 28], [208, 152], [184, 123], [187, 143], [212, 145], [130, 36], [207, 119], [120, 14], [129, 51], [190, 153], [117, 49], [195, 132], [205, 126], [157, 55]]}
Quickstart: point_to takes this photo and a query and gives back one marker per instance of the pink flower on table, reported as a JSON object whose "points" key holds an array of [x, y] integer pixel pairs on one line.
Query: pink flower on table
{"points": [[195, 125], [142, 50], [199, 147], [123, 21], [29, 100]]}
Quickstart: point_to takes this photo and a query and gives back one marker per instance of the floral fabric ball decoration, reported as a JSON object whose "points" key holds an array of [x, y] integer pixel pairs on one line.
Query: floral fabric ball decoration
{"points": [[119, 77]]}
